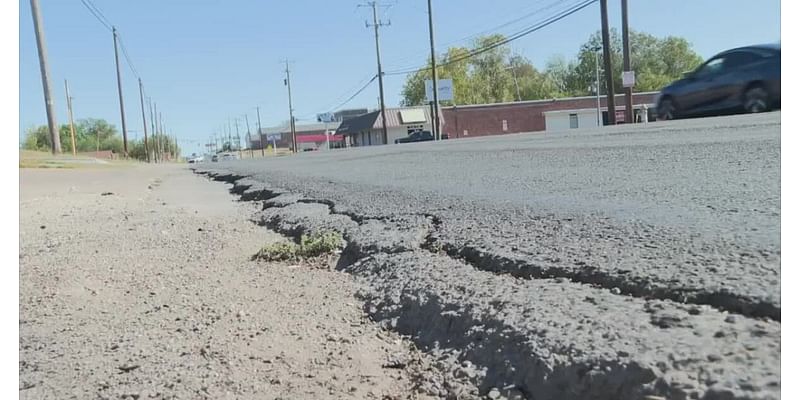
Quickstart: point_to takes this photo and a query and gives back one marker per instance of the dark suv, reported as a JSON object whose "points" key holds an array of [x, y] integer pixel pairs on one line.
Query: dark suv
{"points": [[745, 79]]}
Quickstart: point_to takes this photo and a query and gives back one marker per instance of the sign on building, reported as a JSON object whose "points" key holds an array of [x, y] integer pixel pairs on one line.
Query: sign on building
{"points": [[273, 137], [628, 79], [445, 90], [325, 117]]}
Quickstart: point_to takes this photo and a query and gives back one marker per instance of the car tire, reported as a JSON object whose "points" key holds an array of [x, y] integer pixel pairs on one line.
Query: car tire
{"points": [[756, 99], [666, 109]]}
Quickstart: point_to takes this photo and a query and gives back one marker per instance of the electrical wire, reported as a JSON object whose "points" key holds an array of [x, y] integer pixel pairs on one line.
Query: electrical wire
{"points": [[518, 35], [474, 35], [96, 14], [127, 57]]}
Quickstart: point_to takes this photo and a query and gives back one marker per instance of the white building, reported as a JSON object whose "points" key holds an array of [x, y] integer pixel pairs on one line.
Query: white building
{"points": [[560, 120]]}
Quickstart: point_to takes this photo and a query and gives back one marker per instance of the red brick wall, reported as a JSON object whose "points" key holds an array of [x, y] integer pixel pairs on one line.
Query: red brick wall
{"points": [[520, 117]]}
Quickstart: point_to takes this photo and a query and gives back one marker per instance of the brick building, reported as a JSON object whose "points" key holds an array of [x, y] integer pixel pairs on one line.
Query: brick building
{"points": [[530, 116]]}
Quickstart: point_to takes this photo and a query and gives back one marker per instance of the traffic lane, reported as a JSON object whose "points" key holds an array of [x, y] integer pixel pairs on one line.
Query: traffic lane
{"points": [[718, 176], [579, 222]]}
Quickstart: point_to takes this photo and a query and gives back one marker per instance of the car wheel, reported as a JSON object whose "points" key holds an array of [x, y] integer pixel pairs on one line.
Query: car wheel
{"points": [[666, 109], [756, 100]]}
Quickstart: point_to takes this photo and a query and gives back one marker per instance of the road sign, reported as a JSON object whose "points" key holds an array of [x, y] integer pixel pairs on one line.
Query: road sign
{"points": [[325, 117], [445, 90], [274, 137], [628, 79]]}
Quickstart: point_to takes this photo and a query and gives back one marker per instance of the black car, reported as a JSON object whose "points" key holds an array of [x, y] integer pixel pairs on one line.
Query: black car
{"points": [[417, 136], [745, 79]]}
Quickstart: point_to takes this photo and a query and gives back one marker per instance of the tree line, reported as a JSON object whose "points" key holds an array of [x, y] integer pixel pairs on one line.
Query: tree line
{"points": [[93, 135], [498, 75]]}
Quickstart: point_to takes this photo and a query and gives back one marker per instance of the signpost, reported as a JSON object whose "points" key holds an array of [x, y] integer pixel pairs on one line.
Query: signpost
{"points": [[628, 79], [445, 90]]}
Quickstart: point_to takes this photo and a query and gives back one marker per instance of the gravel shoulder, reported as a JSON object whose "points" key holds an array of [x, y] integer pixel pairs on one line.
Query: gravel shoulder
{"points": [[138, 283]]}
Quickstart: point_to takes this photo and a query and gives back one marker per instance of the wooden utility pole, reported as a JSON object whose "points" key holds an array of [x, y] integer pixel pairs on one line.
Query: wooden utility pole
{"points": [[435, 122], [626, 62], [377, 24], [55, 139], [71, 122], [119, 90], [144, 122], [238, 139], [249, 139], [156, 132], [288, 83], [260, 143], [152, 128], [612, 110]]}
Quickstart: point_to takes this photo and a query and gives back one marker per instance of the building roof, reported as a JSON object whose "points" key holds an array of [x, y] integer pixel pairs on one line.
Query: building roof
{"points": [[395, 117], [357, 124]]}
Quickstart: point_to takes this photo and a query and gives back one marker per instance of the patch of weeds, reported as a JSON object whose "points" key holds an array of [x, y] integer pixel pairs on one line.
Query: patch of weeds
{"points": [[310, 247]]}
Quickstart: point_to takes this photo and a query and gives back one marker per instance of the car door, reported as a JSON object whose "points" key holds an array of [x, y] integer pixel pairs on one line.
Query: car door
{"points": [[725, 89], [696, 94]]}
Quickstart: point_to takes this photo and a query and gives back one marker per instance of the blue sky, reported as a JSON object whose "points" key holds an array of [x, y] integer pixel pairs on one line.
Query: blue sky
{"points": [[204, 61]]}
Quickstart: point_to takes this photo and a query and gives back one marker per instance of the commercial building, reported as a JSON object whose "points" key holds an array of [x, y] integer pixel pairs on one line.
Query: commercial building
{"points": [[532, 116], [309, 136], [367, 129]]}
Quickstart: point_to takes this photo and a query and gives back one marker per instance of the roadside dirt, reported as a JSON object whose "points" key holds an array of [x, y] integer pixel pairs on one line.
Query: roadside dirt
{"points": [[137, 283]]}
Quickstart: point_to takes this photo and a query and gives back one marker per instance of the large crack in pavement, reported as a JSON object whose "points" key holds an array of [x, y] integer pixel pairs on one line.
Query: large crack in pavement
{"points": [[550, 335]]}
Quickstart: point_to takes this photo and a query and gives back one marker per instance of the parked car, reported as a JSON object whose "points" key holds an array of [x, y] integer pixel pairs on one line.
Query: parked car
{"points": [[745, 79], [214, 158], [416, 136]]}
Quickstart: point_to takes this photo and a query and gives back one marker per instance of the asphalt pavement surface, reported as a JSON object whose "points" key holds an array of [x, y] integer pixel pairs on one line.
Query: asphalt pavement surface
{"points": [[608, 263]]}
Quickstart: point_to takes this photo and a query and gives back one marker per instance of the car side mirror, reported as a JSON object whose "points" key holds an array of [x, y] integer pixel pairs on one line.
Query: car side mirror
{"points": [[688, 75]]}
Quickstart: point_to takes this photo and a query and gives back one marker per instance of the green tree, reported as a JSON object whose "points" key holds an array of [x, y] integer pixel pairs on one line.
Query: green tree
{"points": [[656, 62], [87, 133]]}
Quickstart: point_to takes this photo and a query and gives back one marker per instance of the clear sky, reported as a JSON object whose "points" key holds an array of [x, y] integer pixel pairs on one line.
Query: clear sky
{"points": [[204, 61]]}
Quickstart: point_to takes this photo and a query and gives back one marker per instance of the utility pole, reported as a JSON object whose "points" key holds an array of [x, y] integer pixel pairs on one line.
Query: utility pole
{"points": [[152, 127], [377, 24], [288, 83], [71, 122], [144, 122], [238, 139], [161, 143], [626, 62], [435, 125], [55, 139], [597, 83], [612, 110], [260, 143], [119, 90], [249, 139], [156, 134]]}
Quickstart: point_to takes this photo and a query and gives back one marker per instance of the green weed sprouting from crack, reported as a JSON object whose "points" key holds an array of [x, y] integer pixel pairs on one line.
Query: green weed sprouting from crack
{"points": [[311, 246]]}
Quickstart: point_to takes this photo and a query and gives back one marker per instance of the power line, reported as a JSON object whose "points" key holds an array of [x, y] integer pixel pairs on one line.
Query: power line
{"points": [[97, 13], [365, 82], [356, 93], [474, 35], [127, 57], [518, 35]]}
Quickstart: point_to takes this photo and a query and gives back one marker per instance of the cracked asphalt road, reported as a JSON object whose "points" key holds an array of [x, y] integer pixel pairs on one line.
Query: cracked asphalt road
{"points": [[680, 210]]}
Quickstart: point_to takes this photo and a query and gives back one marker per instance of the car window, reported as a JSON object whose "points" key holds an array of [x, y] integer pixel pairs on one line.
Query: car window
{"points": [[713, 66], [740, 58]]}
